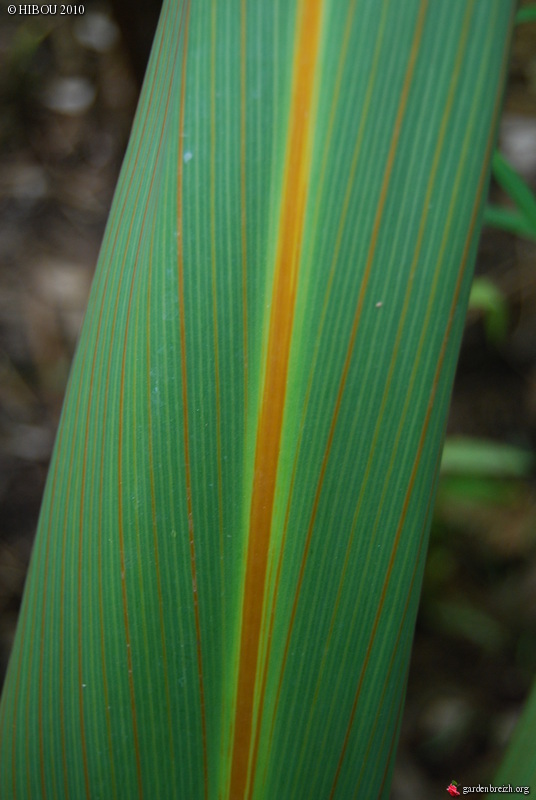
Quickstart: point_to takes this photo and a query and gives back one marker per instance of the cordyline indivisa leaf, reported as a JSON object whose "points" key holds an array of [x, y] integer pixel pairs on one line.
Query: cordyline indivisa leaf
{"points": [[223, 589]]}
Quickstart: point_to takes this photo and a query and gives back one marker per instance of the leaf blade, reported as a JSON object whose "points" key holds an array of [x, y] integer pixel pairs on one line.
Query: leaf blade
{"points": [[142, 555]]}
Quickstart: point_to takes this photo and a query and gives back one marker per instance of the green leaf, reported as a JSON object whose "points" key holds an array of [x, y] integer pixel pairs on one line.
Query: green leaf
{"points": [[519, 765], [224, 584], [459, 619], [527, 14], [479, 457], [486, 297], [508, 220], [512, 183]]}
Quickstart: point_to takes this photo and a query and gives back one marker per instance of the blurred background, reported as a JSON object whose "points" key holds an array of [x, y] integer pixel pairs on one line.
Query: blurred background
{"points": [[68, 92]]}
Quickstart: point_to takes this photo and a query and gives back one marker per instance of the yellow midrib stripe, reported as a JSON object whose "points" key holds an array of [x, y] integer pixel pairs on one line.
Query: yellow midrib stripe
{"points": [[288, 252]]}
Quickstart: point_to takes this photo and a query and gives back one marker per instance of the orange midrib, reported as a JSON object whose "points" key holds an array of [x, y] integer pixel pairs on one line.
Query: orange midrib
{"points": [[291, 224]]}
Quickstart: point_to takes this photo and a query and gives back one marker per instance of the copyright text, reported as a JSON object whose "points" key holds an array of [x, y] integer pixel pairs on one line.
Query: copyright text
{"points": [[33, 9]]}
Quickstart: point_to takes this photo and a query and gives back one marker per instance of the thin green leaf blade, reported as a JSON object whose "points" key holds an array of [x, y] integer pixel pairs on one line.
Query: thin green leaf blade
{"points": [[508, 220], [463, 455], [519, 765], [512, 182], [527, 14]]}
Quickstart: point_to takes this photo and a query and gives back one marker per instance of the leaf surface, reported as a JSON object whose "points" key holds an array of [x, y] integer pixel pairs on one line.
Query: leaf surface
{"points": [[223, 589]]}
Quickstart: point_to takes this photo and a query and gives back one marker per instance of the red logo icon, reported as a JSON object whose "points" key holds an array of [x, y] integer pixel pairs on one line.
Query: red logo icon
{"points": [[452, 790]]}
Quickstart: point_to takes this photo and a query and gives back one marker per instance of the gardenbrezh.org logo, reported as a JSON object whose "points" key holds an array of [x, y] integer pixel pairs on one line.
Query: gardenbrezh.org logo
{"points": [[454, 789]]}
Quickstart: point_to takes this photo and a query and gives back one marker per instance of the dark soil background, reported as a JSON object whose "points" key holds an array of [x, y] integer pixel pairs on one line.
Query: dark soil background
{"points": [[68, 91]]}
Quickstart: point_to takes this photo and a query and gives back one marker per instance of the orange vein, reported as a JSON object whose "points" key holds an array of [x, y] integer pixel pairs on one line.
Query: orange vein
{"points": [[213, 265], [19, 671], [398, 340], [120, 475], [345, 208], [420, 446], [288, 254], [83, 743], [165, 665], [394, 649], [23, 621], [120, 450], [394, 739], [120, 482], [44, 618], [122, 552], [28, 672], [186, 434], [243, 212], [153, 508], [62, 643], [213, 260], [357, 317], [134, 173]]}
